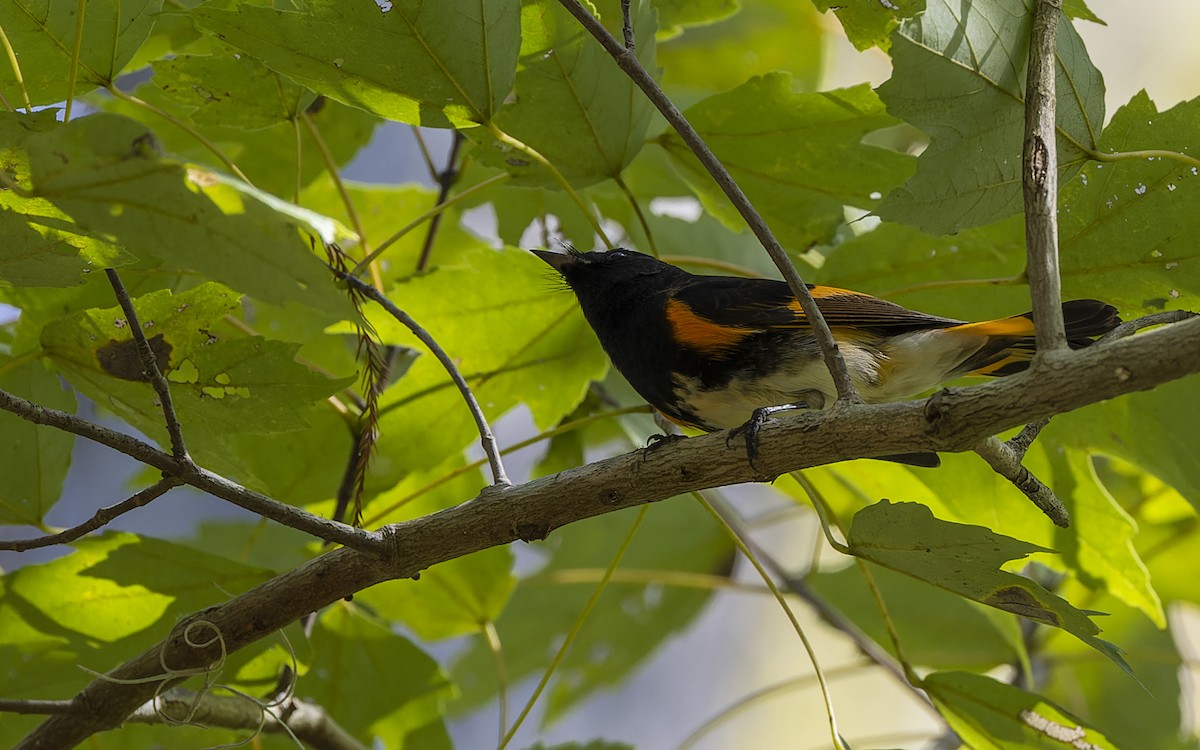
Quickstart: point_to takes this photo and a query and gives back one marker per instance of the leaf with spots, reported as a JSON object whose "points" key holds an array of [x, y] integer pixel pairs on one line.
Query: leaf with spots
{"points": [[219, 385], [966, 560]]}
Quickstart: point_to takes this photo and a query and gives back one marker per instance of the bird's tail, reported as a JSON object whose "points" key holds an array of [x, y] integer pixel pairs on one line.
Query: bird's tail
{"points": [[1011, 343]]}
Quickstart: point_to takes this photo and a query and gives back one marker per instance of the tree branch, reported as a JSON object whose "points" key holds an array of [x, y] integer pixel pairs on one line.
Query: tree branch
{"points": [[1040, 181], [627, 60], [102, 517], [196, 476], [951, 420], [306, 721]]}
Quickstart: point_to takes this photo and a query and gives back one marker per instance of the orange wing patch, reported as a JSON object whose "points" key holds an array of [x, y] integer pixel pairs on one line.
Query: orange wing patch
{"points": [[697, 332], [818, 291], [1018, 325]]}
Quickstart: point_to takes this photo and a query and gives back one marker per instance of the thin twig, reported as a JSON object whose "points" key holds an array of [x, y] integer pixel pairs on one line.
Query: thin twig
{"points": [[150, 366], [437, 209], [627, 25], [637, 211], [102, 518], [198, 477], [487, 439], [40, 708], [445, 179], [1040, 180], [16, 69], [628, 62]]}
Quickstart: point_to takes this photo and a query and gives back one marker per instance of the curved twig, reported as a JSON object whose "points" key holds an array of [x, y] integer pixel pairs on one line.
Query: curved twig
{"points": [[486, 438]]}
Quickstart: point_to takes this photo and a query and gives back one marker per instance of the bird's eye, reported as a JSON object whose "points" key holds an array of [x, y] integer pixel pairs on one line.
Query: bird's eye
{"points": [[618, 253]]}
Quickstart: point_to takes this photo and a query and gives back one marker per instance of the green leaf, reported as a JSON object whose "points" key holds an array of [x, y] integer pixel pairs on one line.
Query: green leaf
{"points": [[513, 339], [116, 585], [962, 635], [798, 157], [1132, 222], [220, 386], [448, 64], [43, 36], [673, 15], [267, 156], [600, 116], [42, 246], [989, 715], [456, 597], [630, 621], [206, 87], [35, 459], [1100, 543], [1077, 9], [1144, 429], [869, 24], [966, 560], [104, 172], [404, 706], [762, 37], [971, 172]]}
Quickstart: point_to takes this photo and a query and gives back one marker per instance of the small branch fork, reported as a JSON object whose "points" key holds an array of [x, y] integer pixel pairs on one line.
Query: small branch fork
{"points": [[627, 60]]}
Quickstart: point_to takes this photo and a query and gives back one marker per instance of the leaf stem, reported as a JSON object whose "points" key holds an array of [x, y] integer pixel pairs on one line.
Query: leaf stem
{"points": [[1150, 153], [445, 179], [72, 76], [492, 637], [532, 153], [637, 210], [16, 69], [185, 127], [575, 629], [436, 210], [334, 174], [893, 635], [737, 540]]}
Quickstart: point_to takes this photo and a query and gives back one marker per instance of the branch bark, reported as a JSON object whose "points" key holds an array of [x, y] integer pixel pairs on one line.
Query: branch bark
{"points": [[1040, 181], [951, 420]]}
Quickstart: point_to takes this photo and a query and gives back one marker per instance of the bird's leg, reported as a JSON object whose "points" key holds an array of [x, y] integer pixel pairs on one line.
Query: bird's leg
{"points": [[762, 415], [669, 434]]}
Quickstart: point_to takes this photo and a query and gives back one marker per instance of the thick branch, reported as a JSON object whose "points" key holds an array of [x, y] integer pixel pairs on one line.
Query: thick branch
{"points": [[1040, 178], [188, 473], [951, 420], [627, 60]]}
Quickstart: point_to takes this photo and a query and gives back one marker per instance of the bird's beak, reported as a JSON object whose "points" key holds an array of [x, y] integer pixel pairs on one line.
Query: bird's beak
{"points": [[557, 261]]}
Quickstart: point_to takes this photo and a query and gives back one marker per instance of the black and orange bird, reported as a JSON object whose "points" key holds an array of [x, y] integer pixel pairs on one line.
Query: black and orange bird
{"points": [[720, 352]]}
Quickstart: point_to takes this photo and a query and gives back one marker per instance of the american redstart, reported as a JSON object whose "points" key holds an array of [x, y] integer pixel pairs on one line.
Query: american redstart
{"points": [[719, 352]]}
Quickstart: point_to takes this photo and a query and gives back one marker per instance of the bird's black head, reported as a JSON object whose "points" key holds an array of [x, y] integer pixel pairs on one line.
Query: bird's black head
{"points": [[614, 276]]}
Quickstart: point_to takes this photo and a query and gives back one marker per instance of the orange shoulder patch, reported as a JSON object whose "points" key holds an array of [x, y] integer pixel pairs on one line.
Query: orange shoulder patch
{"points": [[697, 332]]}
